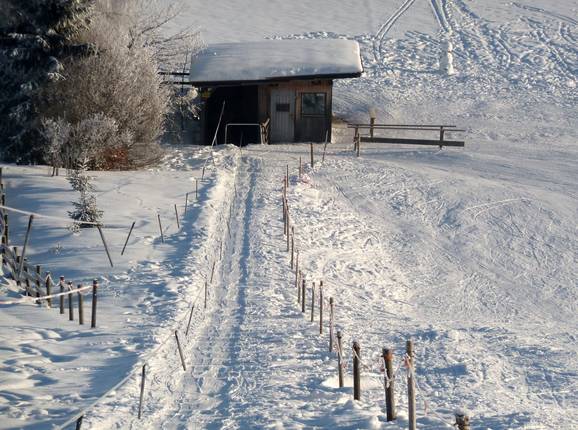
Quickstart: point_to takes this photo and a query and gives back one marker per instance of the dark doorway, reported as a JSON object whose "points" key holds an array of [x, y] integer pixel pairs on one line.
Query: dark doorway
{"points": [[241, 106]]}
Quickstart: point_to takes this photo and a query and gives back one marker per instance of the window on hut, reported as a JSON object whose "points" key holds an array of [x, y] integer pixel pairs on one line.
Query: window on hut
{"points": [[313, 104]]}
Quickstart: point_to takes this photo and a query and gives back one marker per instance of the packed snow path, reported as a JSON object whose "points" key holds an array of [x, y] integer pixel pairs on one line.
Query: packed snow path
{"points": [[407, 254]]}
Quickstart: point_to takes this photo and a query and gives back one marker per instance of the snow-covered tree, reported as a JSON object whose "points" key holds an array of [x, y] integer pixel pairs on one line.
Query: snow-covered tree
{"points": [[85, 209], [35, 37]]}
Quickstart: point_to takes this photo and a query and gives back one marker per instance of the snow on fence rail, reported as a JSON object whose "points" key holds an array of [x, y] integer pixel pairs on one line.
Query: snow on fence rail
{"points": [[384, 364]]}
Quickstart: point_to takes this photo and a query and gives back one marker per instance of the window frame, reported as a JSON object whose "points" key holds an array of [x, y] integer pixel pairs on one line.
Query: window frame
{"points": [[315, 94]]}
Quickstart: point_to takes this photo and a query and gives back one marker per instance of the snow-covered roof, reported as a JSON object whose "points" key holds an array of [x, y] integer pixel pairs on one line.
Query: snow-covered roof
{"points": [[276, 60]]}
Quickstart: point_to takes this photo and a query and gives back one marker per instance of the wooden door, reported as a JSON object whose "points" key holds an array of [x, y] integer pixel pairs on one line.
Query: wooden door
{"points": [[282, 115]]}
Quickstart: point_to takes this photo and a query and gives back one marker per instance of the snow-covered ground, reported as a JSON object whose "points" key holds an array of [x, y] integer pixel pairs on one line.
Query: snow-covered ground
{"points": [[469, 252]]}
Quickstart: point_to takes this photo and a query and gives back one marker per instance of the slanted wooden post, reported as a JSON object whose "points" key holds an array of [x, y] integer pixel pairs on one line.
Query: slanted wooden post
{"points": [[142, 387], [180, 350], [61, 283], [26, 238], [339, 358], [321, 307], [80, 305], [330, 324], [94, 299], [303, 296], [177, 217], [127, 238], [80, 418], [462, 421], [313, 302], [410, 385], [190, 319], [356, 371], [161, 228], [389, 387], [212, 272], [70, 303], [105, 245]]}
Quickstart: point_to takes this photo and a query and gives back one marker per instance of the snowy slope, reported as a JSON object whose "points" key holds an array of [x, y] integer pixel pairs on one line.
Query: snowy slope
{"points": [[471, 253]]}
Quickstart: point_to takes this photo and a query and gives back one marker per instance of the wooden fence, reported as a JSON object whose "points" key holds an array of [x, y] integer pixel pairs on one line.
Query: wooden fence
{"points": [[370, 137], [319, 304]]}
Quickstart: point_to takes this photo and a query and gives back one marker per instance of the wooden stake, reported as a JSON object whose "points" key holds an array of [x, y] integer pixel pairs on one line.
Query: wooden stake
{"points": [[79, 422], [142, 387], [206, 294], [389, 387], [177, 217], [186, 202], [356, 371], [105, 245], [313, 302], [303, 296], [80, 306], [180, 350], [61, 283], [161, 228], [48, 284], [311, 146], [94, 299], [411, 386], [330, 324], [321, 307], [339, 359], [292, 245], [462, 421], [300, 168], [127, 238], [190, 319], [212, 271], [30, 219], [70, 303], [37, 281], [297, 274], [196, 190]]}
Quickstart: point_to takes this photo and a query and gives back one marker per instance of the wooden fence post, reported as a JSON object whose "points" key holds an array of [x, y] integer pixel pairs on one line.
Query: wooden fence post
{"points": [[26, 238], [196, 190], [180, 350], [70, 303], [206, 294], [142, 387], [177, 217], [303, 296], [300, 168], [292, 245], [61, 283], [410, 385], [80, 305], [94, 299], [311, 146], [105, 245], [212, 272], [313, 302], [288, 235], [190, 318], [321, 307], [297, 271], [186, 202], [127, 238], [462, 421], [79, 420], [37, 281], [356, 371], [48, 284], [389, 387], [161, 228], [358, 144], [339, 358], [330, 324]]}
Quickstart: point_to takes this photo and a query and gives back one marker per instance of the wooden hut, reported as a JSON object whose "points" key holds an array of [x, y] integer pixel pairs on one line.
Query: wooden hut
{"points": [[271, 91]]}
